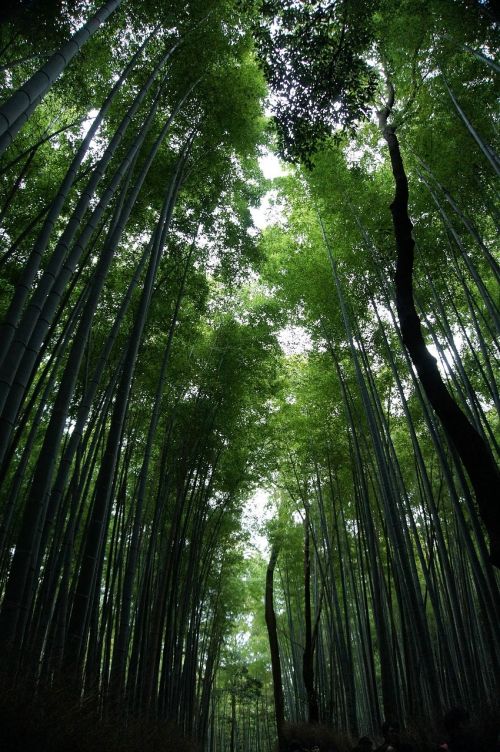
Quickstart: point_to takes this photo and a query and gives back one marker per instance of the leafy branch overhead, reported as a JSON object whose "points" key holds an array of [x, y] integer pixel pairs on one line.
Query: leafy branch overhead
{"points": [[313, 55]]}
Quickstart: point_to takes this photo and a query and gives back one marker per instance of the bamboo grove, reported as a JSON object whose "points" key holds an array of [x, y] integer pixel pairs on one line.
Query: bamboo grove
{"points": [[375, 619], [145, 396], [121, 474]]}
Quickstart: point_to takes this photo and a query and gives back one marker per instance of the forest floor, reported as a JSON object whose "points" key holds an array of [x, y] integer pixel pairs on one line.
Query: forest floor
{"points": [[56, 722]]}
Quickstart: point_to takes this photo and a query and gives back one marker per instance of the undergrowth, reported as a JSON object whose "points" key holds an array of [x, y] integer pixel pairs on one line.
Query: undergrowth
{"points": [[53, 721]]}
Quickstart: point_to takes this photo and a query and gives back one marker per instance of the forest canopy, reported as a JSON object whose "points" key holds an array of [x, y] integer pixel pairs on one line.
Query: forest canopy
{"points": [[248, 424]]}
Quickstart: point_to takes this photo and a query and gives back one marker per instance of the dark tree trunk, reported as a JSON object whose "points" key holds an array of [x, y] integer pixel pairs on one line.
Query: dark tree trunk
{"points": [[308, 657], [471, 448], [279, 702]]}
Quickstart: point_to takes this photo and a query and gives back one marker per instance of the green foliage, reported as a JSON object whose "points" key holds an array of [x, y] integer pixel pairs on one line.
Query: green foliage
{"points": [[337, 431], [312, 56]]}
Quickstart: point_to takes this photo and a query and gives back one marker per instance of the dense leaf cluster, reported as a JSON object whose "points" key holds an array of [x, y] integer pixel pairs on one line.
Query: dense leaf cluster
{"points": [[313, 55]]}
